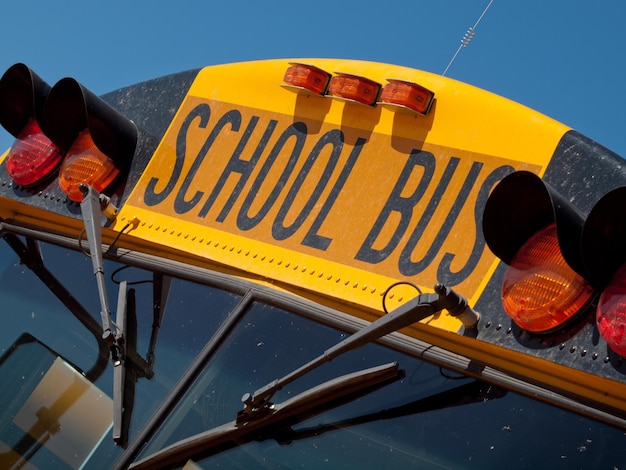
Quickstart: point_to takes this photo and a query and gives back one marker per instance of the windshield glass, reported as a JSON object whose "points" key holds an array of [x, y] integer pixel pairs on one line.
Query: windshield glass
{"points": [[430, 419], [56, 386], [56, 382]]}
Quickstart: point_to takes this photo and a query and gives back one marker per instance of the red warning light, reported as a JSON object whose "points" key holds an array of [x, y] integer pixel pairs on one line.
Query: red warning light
{"points": [[611, 313], [33, 157]]}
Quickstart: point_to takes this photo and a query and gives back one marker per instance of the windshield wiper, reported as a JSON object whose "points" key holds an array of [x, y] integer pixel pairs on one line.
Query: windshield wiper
{"points": [[260, 414], [121, 341], [466, 394], [419, 308], [302, 406]]}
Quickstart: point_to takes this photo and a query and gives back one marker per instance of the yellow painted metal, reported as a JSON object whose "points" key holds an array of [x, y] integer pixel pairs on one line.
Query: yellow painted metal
{"points": [[317, 221]]}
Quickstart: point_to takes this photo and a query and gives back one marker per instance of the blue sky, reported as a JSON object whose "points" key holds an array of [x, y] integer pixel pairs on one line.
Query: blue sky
{"points": [[561, 57]]}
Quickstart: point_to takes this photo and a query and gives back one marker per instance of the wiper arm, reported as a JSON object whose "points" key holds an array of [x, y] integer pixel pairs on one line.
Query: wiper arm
{"points": [[90, 210], [304, 405], [419, 308]]}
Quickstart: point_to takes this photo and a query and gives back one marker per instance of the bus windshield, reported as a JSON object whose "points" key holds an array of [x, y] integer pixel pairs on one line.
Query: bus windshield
{"points": [[56, 387]]}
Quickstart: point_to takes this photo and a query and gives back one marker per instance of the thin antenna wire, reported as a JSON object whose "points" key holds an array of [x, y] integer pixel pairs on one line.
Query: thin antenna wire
{"points": [[467, 37]]}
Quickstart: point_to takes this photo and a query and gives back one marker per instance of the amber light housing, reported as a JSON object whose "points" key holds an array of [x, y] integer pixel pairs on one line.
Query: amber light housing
{"points": [[308, 78], [354, 88], [85, 164], [407, 95], [100, 141], [540, 291], [536, 231]]}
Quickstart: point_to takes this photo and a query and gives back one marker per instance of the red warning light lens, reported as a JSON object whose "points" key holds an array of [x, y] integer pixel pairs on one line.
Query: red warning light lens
{"points": [[354, 88], [307, 77], [540, 291], [407, 94], [611, 313], [33, 157], [86, 164]]}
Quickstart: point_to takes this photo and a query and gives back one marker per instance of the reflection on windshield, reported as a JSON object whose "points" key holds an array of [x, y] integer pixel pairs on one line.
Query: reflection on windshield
{"points": [[193, 313], [34, 411]]}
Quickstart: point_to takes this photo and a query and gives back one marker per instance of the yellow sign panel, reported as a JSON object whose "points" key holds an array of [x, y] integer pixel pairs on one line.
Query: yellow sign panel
{"points": [[324, 197]]}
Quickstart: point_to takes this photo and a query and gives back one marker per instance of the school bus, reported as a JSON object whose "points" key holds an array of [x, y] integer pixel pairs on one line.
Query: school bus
{"points": [[307, 263]]}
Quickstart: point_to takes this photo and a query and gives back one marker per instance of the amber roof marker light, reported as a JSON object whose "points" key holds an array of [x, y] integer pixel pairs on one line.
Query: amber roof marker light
{"points": [[407, 95], [306, 78], [98, 140], [33, 158], [354, 88], [536, 232]]}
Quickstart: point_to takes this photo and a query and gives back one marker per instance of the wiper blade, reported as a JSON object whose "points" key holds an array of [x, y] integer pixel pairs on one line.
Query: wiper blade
{"points": [[302, 406], [466, 394]]}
